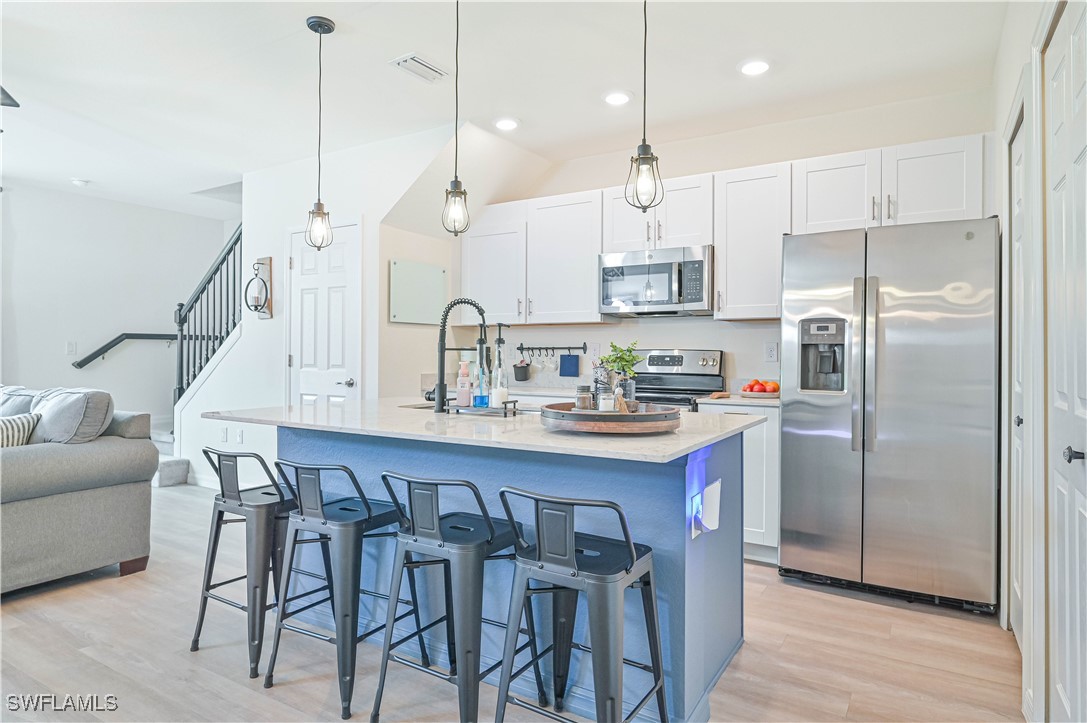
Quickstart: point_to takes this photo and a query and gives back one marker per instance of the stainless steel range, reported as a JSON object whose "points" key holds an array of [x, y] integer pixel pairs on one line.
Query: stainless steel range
{"points": [[678, 376]]}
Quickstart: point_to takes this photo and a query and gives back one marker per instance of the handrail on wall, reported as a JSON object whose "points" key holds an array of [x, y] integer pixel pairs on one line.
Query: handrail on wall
{"points": [[100, 352]]}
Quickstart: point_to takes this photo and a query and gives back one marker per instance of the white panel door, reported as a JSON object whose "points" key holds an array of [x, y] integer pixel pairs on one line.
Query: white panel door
{"points": [[751, 213], [626, 228], [493, 272], [326, 324], [932, 181], [685, 218], [1018, 490], [834, 193], [564, 234], [1065, 77]]}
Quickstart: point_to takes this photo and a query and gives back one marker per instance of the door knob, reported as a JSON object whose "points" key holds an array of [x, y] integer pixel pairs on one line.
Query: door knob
{"points": [[349, 383], [1071, 455], [1018, 421]]}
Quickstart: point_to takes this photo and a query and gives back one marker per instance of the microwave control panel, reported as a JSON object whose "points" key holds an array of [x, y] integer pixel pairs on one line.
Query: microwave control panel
{"points": [[692, 282]]}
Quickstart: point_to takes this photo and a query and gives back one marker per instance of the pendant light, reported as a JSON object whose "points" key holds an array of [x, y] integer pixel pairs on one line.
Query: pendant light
{"points": [[644, 188], [319, 228], [455, 214]]}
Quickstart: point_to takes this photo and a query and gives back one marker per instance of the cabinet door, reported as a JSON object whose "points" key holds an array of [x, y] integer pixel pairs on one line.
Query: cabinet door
{"points": [[685, 218], [838, 192], [493, 272], [564, 235], [933, 181], [626, 228], [762, 473], [751, 213]]}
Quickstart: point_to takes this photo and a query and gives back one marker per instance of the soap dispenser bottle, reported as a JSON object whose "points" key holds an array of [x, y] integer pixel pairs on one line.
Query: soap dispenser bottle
{"points": [[464, 386]]}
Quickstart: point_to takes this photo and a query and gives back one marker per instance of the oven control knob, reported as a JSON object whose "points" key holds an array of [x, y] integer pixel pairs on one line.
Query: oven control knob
{"points": [[713, 362], [702, 362]]}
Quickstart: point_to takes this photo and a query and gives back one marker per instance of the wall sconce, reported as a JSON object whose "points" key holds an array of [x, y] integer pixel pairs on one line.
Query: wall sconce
{"points": [[258, 292]]}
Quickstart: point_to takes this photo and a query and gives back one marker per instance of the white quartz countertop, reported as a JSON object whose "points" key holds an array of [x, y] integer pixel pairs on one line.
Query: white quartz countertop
{"points": [[737, 400], [389, 418]]}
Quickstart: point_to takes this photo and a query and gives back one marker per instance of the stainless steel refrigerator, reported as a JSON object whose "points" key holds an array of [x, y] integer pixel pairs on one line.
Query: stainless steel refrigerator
{"points": [[889, 393]]}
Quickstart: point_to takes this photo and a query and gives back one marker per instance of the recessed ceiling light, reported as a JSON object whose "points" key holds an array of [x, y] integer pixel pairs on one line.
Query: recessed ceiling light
{"points": [[80, 182], [617, 97], [754, 67], [506, 124]]}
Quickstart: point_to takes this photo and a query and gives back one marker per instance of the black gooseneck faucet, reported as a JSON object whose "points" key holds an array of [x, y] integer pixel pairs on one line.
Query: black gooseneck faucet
{"points": [[440, 388]]}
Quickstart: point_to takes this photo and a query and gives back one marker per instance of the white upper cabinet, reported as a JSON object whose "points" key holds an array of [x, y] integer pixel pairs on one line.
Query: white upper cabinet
{"points": [[564, 240], [626, 228], [751, 214], [493, 270], [685, 217], [933, 181], [837, 192]]}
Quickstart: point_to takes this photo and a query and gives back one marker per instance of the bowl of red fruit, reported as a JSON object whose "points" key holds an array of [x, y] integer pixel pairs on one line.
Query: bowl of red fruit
{"points": [[761, 389]]}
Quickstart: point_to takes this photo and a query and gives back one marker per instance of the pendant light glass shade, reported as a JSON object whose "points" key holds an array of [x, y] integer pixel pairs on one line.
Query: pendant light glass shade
{"points": [[644, 188], [319, 227], [455, 217], [455, 214]]}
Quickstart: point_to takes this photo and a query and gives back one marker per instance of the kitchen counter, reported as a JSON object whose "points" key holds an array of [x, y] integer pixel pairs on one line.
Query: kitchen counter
{"points": [[656, 478], [737, 400], [525, 432]]}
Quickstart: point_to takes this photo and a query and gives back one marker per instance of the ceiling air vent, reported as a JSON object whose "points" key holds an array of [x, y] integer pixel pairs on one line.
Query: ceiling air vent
{"points": [[422, 69]]}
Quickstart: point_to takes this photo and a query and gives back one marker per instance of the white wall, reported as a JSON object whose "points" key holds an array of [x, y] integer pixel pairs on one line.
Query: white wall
{"points": [[360, 185], [82, 269]]}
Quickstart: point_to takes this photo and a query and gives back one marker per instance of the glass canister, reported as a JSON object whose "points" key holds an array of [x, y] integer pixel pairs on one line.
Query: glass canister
{"points": [[584, 397], [605, 402]]}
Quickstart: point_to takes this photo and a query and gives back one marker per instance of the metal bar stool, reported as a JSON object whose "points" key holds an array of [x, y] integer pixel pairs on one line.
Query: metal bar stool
{"points": [[570, 562], [264, 511], [460, 542], [339, 527]]}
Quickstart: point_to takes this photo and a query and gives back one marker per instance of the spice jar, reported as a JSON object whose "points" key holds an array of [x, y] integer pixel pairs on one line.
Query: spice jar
{"points": [[584, 397], [605, 402]]}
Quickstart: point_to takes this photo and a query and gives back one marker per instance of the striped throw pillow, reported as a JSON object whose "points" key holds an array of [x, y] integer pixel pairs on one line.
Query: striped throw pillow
{"points": [[15, 430]]}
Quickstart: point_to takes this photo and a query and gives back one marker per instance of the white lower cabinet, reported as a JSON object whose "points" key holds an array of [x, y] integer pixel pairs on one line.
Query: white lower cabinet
{"points": [[762, 480]]}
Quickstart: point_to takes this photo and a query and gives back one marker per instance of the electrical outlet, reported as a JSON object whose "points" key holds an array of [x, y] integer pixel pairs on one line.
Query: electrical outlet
{"points": [[241, 437], [69, 348], [594, 351], [770, 352], [224, 435]]}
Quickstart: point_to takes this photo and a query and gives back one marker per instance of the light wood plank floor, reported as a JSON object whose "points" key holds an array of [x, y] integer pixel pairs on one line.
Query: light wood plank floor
{"points": [[811, 653]]}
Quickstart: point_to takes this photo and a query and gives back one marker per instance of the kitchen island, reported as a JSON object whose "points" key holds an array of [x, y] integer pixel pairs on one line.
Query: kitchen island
{"points": [[656, 478]]}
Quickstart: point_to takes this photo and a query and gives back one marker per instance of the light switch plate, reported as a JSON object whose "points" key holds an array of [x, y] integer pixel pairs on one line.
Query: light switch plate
{"points": [[69, 348], [224, 435], [594, 351], [770, 352], [241, 437]]}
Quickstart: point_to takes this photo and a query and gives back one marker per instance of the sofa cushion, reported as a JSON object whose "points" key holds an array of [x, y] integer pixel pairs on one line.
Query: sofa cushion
{"points": [[38, 470], [129, 425], [15, 430], [16, 400], [71, 416]]}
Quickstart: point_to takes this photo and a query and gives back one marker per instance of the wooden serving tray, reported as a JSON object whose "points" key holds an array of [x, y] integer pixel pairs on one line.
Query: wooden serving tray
{"points": [[649, 418]]}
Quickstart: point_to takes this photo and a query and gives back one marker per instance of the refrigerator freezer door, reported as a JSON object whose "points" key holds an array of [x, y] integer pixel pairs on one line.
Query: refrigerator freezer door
{"points": [[930, 477], [821, 453]]}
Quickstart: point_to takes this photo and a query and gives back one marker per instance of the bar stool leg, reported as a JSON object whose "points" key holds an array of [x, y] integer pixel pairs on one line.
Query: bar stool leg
{"points": [[450, 620], [326, 558], [509, 649], [390, 617], [259, 544], [346, 551], [563, 612], [606, 639], [424, 658], [534, 651], [281, 524], [652, 625], [281, 608], [466, 579], [209, 568]]}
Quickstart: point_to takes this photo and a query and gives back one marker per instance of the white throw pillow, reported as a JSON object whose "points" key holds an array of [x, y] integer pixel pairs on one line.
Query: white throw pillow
{"points": [[15, 430]]}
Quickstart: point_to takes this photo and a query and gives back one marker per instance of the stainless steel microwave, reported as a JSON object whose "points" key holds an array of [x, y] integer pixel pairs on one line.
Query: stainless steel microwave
{"points": [[662, 282]]}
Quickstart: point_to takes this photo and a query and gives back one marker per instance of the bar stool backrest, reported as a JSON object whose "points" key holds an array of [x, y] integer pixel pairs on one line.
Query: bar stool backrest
{"points": [[424, 509], [555, 527], [225, 465], [304, 482]]}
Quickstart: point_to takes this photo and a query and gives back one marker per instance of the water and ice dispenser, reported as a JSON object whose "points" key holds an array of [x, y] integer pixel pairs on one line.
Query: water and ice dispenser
{"points": [[822, 355]]}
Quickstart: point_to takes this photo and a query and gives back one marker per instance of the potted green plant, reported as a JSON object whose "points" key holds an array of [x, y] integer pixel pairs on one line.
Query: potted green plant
{"points": [[620, 363]]}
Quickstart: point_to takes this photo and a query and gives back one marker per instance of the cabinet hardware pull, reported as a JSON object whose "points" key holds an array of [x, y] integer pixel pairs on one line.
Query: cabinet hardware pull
{"points": [[875, 207], [718, 299], [648, 233], [659, 231], [530, 307], [888, 207], [519, 307]]}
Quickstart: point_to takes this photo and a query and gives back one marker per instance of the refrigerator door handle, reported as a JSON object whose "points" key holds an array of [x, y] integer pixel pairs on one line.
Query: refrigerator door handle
{"points": [[871, 343], [856, 366]]}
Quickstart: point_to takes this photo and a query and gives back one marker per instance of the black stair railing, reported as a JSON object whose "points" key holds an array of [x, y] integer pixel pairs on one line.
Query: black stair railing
{"points": [[211, 313]]}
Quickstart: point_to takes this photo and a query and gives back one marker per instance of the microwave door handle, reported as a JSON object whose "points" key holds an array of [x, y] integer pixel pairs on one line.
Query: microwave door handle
{"points": [[677, 287], [871, 344], [856, 366]]}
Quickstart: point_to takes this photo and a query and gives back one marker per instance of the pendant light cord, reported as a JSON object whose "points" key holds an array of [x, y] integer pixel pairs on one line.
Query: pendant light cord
{"points": [[645, 60], [320, 109], [456, 96]]}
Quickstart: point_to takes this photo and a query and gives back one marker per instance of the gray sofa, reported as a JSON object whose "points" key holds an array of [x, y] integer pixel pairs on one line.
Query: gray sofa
{"points": [[67, 508]]}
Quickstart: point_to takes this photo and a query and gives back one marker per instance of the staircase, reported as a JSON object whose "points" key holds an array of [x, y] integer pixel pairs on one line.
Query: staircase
{"points": [[203, 324]]}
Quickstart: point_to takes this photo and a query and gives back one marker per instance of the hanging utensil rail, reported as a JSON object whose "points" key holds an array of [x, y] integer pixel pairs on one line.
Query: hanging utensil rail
{"points": [[583, 348]]}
